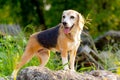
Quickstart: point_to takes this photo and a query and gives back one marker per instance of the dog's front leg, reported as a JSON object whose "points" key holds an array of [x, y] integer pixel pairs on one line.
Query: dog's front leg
{"points": [[64, 56], [72, 60]]}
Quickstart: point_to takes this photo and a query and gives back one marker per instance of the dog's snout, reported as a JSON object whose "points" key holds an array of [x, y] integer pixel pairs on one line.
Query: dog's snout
{"points": [[64, 23]]}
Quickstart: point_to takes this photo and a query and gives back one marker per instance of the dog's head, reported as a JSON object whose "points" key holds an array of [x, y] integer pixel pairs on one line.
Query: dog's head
{"points": [[70, 19]]}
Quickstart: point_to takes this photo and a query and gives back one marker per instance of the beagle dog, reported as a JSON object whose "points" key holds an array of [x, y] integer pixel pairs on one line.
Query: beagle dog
{"points": [[64, 38]]}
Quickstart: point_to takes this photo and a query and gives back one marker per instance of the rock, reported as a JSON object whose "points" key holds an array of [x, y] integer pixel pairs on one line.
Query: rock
{"points": [[36, 73], [104, 75], [6, 29], [2, 78], [86, 39], [110, 37], [87, 54]]}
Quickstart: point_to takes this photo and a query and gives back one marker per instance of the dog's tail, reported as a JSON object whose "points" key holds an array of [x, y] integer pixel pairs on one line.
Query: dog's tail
{"points": [[14, 74]]}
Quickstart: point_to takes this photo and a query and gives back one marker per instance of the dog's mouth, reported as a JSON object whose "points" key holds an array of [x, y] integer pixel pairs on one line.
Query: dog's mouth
{"points": [[68, 29]]}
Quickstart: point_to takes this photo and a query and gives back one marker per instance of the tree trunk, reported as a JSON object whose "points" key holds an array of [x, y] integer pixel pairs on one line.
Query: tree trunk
{"points": [[39, 9]]}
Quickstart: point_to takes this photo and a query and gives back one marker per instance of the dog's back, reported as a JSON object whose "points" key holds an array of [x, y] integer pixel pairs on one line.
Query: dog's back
{"points": [[48, 38]]}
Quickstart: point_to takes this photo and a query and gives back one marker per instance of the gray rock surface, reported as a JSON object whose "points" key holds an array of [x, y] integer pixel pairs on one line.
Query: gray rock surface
{"points": [[36, 73]]}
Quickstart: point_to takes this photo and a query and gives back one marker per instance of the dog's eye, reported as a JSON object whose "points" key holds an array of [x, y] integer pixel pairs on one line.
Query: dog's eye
{"points": [[63, 16], [72, 17]]}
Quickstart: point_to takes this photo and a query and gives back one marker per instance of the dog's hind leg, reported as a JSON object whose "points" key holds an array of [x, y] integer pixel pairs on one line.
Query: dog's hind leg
{"points": [[28, 54], [25, 58], [31, 48], [43, 55]]}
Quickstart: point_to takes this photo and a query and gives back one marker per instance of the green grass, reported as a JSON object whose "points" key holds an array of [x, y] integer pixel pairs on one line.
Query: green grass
{"points": [[11, 50], [111, 57], [12, 47]]}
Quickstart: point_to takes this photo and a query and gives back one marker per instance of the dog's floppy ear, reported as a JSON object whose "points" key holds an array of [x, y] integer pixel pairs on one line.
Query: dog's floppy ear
{"points": [[81, 21]]}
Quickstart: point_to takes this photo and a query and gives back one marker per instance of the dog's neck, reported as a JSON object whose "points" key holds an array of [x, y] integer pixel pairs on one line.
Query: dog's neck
{"points": [[73, 35], [69, 35]]}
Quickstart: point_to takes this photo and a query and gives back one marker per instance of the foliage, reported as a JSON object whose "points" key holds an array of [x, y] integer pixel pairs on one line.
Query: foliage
{"points": [[10, 48], [111, 58], [47, 13]]}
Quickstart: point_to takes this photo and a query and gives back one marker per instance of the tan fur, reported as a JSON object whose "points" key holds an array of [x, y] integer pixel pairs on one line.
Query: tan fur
{"points": [[66, 44]]}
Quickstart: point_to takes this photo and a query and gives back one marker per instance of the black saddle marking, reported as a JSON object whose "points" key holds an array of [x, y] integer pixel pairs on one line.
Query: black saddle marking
{"points": [[48, 38]]}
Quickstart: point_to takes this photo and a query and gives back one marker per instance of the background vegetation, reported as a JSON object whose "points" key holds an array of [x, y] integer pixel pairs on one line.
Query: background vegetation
{"points": [[38, 15], [47, 13]]}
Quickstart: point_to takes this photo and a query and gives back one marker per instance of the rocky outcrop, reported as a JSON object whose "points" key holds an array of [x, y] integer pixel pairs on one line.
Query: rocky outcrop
{"points": [[109, 38], [36, 73]]}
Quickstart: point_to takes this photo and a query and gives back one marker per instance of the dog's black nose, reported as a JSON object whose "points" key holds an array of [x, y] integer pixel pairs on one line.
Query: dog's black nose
{"points": [[64, 23]]}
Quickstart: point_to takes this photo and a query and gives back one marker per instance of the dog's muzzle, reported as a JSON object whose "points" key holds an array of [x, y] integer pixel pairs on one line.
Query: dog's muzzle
{"points": [[67, 29]]}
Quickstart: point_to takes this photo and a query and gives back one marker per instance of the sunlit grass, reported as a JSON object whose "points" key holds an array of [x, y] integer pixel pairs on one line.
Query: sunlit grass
{"points": [[111, 58], [11, 50]]}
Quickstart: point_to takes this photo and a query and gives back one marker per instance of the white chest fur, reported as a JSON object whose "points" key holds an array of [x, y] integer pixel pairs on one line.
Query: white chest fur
{"points": [[76, 41]]}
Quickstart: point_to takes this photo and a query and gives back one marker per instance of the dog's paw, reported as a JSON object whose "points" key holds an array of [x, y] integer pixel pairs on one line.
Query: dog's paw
{"points": [[72, 70], [66, 68]]}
